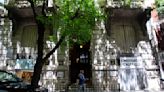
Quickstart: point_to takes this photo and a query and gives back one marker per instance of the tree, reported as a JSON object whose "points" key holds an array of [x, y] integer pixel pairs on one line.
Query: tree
{"points": [[75, 19]]}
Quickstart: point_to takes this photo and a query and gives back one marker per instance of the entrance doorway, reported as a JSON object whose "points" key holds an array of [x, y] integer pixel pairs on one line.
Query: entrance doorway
{"points": [[80, 60]]}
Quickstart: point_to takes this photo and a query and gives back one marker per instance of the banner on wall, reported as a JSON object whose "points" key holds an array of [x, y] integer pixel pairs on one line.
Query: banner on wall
{"points": [[25, 64]]}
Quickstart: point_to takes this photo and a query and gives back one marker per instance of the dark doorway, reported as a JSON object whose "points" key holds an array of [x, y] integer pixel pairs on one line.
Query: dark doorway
{"points": [[80, 60]]}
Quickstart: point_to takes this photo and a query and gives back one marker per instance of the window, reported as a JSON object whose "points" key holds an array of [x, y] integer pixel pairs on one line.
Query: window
{"points": [[61, 62], [84, 57]]}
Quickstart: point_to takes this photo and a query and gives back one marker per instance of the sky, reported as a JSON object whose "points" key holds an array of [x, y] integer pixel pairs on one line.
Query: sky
{"points": [[1, 1], [148, 3]]}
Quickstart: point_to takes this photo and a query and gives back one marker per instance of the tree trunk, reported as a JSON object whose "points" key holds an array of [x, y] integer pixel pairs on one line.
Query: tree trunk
{"points": [[39, 61], [40, 45]]}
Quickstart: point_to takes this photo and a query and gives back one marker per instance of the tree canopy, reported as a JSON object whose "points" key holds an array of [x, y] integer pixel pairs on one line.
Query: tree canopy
{"points": [[73, 18]]}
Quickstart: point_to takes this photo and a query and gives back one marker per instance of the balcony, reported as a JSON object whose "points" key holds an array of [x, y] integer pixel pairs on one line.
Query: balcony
{"points": [[25, 3], [22, 8], [121, 3]]}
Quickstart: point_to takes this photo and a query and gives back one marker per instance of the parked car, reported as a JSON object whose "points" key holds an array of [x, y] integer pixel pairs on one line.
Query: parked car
{"points": [[11, 83]]}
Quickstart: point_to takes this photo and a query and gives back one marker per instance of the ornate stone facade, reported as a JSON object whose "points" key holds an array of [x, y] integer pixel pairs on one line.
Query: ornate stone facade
{"points": [[121, 36]]}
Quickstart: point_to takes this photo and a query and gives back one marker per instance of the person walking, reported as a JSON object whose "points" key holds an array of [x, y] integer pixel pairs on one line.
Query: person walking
{"points": [[81, 81]]}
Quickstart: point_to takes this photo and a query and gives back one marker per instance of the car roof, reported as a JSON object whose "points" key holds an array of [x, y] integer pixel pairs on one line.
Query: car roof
{"points": [[3, 71]]}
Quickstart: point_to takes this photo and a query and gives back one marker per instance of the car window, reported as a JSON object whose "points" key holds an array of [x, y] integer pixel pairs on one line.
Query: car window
{"points": [[5, 77]]}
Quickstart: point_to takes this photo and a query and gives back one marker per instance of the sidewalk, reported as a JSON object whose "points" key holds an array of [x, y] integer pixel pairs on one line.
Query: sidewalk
{"points": [[91, 90]]}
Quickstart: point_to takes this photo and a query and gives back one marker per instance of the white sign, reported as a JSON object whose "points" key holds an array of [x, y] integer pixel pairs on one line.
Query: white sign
{"points": [[60, 74], [130, 73], [130, 62]]}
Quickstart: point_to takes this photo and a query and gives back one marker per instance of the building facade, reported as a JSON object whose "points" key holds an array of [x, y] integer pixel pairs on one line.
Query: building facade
{"points": [[118, 57]]}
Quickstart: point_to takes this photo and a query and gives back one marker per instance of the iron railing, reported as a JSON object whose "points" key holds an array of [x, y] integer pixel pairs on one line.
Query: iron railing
{"points": [[94, 88]]}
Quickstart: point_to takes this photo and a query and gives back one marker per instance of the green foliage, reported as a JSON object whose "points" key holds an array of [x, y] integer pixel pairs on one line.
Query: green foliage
{"points": [[102, 3], [127, 3], [160, 2], [74, 18], [160, 6], [52, 38]]}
